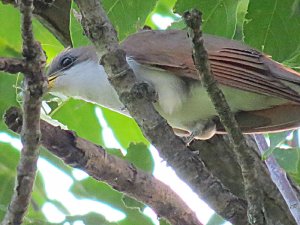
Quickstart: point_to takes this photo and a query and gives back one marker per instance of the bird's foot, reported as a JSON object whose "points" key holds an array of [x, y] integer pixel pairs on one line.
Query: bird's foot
{"points": [[202, 130]]}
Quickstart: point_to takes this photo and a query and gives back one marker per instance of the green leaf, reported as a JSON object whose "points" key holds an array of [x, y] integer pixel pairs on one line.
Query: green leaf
{"points": [[241, 13], [140, 156], [8, 164], [8, 95], [128, 16], [219, 16], [115, 152], [10, 33], [92, 189], [10, 46], [273, 27], [215, 219], [39, 196], [80, 117], [163, 8], [57, 162], [132, 203], [163, 222], [9, 158], [49, 43], [278, 138], [275, 140], [77, 34], [125, 129], [288, 159], [89, 219]]}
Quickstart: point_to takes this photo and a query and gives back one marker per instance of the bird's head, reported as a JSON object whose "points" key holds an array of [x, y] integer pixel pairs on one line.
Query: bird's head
{"points": [[71, 65]]}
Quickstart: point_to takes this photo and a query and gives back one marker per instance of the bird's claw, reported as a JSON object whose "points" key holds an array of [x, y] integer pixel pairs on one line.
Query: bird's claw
{"points": [[202, 131]]}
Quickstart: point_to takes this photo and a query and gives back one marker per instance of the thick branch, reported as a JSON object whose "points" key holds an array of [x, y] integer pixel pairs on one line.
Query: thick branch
{"points": [[136, 97], [34, 87], [242, 151], [120, 174], [219, 158], [12, 65]]}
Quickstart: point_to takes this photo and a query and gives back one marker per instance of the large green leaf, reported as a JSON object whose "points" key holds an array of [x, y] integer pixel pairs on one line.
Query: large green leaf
{"points": [[127, 16], [10, 30], [140, 156], [77, 34], [125, 129], [10, 34], [163, 8], [219, 16], [9, 158], [10, 46], [273, 26], [80, 117], [288, 159]]}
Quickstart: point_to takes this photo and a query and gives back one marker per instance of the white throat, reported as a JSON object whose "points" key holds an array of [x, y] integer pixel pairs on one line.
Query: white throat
{"points": [[88, 81]]}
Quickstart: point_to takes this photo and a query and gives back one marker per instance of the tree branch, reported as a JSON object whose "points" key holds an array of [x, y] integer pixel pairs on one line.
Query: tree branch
{"points": [[253, 194], [219, 158], [136, 97], [279, 177], [121, 175], [34, 87], [12, 65]]}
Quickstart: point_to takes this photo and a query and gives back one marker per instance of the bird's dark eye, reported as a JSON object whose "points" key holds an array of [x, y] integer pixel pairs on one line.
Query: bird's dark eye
{"points": [[67, 61]]}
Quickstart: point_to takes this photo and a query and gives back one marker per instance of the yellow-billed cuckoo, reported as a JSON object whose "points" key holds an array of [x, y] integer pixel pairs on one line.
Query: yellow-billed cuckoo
{"points": [[262, 93]]}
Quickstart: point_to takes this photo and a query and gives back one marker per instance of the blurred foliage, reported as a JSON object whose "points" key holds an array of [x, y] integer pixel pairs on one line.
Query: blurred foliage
{"points": [[275, 140], [277, 33], [92, 189], [80, 117], [215, 219], [271, 26], [8, 163], [127, 16], [219, 17]]}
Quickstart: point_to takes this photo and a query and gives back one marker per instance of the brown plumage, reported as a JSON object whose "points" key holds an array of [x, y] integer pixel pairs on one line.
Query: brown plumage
{"points": [[233, 64]]}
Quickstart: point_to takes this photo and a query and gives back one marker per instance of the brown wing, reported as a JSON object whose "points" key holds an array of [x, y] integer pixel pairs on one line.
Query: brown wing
{"points": [[233, 64], [268, 120]]}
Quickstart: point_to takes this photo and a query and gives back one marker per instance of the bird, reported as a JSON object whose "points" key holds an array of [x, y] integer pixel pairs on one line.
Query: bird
{"points": [[263, 94]]}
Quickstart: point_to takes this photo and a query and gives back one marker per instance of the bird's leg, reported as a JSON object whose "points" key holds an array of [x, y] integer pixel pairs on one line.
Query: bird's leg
{"points": [[201, 130]]}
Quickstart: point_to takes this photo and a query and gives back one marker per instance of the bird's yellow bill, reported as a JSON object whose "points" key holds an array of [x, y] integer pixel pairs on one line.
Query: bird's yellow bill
{"points": [[51, 81]]}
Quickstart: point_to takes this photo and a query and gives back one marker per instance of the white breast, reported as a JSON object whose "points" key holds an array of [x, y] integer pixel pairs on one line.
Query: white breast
{"points": [[170, 88]]}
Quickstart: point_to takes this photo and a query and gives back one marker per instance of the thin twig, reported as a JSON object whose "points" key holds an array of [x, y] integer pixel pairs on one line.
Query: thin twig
{"points": [[34, 87], [137, 98], [118, 173], [193, 19], [279, 177], [12, 65]]}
